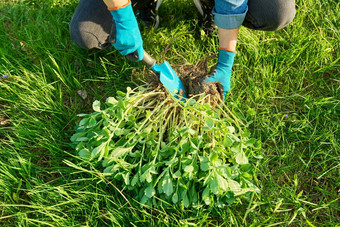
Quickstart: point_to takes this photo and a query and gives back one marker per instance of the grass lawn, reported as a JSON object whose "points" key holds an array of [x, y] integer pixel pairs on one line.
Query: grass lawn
{"points": [[285, 85]]}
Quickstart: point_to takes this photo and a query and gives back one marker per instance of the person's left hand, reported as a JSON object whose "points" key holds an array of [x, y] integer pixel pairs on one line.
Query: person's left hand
{"points": [[222, 71]]}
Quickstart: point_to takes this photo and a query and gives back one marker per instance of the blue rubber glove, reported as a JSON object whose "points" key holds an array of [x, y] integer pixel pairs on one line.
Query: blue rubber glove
{"points": [[223, 70], [128, 40]]}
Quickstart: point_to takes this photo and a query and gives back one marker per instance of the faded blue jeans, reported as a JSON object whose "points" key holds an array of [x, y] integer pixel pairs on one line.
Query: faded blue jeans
{"points": [[91, 24], [230, 14]]}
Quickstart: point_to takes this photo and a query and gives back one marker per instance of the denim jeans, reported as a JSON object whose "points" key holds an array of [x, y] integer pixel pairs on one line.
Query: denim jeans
{"points": [[230, 14], [91, 23]]}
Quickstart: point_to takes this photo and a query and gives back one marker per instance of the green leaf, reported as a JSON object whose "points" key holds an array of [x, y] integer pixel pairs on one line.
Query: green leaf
{"points": [[210, 123], [205, 166], [250, 142], [223, 184], [171, 162], [194, 143], [92, 122], [191, 102], [81, 139], [204, 163], [82, 115], [120, 93], [111, 100], [214, 185], [205, 196], [149, 191], [185, 146], [213, 157], [126, 178], [193, 194], [121, 104], [252, 186], [108, 169], [104, 152], [83, 121], [231, 129], [120, 151], [146, 176], [186, 161], [243, 191], [174, 198], [96, 106], [167, 185], [77, 135], [177, 174], [241, 158], [97, 151], [85, 153], [105, 162], [186, 201], [246, 133], [236, 148], [119, 114], [234, 185], [227, 142], [135, 180], [144, 199], [153, 169], [120, 131], [188, 169]]}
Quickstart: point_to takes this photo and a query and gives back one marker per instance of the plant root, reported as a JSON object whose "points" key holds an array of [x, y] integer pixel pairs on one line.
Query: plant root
{"points": [[192, 77]]}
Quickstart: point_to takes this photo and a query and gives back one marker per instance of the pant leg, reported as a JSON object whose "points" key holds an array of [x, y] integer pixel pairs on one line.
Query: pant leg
{"points": [[92, 24], [269, 15]]}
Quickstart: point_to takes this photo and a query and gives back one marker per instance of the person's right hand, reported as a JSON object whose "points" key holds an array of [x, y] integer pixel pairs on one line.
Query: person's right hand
{"points": [[127, 37], [223, 70]]}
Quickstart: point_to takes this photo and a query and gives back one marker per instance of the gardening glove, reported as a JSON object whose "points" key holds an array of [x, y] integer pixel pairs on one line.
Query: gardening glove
{"points": [[127, 38], [223, 70]]}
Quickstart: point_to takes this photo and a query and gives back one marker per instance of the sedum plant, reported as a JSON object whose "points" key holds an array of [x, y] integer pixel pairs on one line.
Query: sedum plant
{"points": [[169, 152]]}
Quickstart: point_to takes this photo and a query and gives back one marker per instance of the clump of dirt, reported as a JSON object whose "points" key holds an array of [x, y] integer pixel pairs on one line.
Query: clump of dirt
{"points": [[193, 77]]}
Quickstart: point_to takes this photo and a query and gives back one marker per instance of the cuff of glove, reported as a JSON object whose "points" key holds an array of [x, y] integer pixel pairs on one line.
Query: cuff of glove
{"points": [[233, 51], [119, 7], [124, 14]]}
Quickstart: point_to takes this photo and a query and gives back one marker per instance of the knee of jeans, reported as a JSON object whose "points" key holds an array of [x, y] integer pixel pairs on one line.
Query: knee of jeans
{"points": [[271, 20], [281, 19], [80, 38], [83, 38]]}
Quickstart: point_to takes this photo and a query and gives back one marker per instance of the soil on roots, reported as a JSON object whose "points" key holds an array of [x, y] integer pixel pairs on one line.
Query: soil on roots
{"points": [[193, 77]]}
